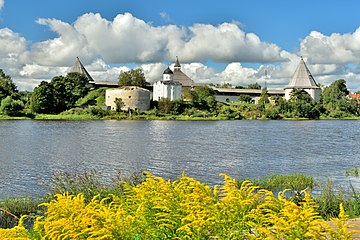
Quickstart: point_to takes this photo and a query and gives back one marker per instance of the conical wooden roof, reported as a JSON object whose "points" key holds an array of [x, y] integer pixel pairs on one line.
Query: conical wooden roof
{"points": [[79, 68], [181, 77], [302, 77]]}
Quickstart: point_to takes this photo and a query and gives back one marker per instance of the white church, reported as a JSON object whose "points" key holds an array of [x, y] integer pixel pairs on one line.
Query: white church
{"points": [[167, 88]]}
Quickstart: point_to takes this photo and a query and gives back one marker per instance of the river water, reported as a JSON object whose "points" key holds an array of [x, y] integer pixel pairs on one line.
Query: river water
{"points": [[30, 151]]}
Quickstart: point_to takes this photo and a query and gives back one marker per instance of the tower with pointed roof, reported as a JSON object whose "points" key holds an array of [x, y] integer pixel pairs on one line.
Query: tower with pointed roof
{"points": [[79, 68], [303, 80], [181, 77]]}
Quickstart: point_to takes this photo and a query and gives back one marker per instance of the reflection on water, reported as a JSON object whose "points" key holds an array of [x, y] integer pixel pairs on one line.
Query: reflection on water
{"points": [[31, 150]]}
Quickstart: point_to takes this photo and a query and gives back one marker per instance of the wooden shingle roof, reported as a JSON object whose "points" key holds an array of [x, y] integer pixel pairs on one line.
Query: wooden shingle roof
{"points": [[79, 68], [302, 77]]}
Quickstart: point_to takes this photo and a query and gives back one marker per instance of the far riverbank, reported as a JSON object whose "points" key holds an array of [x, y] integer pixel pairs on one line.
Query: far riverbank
{"points": [[79, 117]]}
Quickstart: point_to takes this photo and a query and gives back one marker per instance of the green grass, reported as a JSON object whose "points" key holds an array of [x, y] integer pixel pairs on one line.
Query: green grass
{"points": [[11, 209], [344, 118], [66, 117], [353, 172], [278, 182], [99, 114], [5, 117], [121, 116]]}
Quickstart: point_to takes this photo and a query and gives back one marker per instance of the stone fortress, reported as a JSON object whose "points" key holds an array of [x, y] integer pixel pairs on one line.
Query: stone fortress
{"points": [[175, 81]]}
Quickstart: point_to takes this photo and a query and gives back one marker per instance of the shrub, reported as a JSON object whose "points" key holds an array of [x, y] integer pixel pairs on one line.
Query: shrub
{"points": [[11, 107], [272, 112], [97, 111], [183, 209], [76, 111]]}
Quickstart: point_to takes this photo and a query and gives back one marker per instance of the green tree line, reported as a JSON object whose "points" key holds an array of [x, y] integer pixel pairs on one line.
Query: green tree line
{"points": [[63, 93]]}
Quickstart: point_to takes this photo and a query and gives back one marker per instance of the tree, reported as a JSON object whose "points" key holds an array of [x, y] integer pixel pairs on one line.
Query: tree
{"points": [[133, 77], [77, 85], [300, 95], [245, 98], [119, 104], [302, 105], [272, 112], [67, 90], [200, 93], [7, 86], [42, 100], [11, 107], [178, 107], [254, 86], [187, 94], [165, 105], [264, 99], [336, 102], [60, 95], [204, 97], [225, 85], [282, 104], [337, 90], [24, 96]]}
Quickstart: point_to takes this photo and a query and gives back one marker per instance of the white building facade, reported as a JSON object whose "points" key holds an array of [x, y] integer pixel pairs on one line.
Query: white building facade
{"points": [[167, 88]]}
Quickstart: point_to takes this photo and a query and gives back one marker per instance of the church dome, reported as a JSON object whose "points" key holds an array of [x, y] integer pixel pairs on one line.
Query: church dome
{"points": [[168, 71]]}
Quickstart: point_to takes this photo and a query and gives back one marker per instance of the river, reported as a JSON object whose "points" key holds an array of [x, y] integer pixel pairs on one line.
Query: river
{"points": [[30, 151]]}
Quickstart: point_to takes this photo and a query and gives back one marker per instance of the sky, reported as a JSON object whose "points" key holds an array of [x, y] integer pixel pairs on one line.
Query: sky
{"points": [[228, 41]]}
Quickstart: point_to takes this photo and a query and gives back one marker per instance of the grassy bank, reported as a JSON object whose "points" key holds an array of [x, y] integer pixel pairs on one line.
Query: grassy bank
{"points": [[144, 206], [66, 117], [88, 116], [5, 117]]}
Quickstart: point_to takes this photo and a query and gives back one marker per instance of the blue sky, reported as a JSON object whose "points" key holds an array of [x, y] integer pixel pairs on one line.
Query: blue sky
{"points": [[282, 22], [216, 41]]}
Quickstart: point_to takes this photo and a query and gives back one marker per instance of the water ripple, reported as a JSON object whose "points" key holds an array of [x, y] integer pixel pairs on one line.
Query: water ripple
{"points": [[32, 150]]}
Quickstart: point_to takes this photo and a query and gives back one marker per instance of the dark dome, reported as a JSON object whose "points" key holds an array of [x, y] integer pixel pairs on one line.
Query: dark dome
{"points": [[168, 71]]}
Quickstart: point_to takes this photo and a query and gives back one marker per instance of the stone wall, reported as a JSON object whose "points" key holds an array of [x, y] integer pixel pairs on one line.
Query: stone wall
{"points": [[134, 98]]}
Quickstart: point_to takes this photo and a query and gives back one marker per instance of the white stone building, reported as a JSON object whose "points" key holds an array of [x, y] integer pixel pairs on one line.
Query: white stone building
{"points": [[134, 98], [303, 80], [167, 88]]}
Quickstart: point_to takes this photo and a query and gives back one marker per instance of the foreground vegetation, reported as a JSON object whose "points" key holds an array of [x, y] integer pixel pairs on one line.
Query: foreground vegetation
{"points": [[148, 207]]}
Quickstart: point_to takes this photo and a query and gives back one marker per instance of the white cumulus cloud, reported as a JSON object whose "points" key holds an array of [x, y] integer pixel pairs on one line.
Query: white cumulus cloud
{"points": [[62, 50], [334, 49], [107, 47], [128, 39], [11, 43], [226, 43]]}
